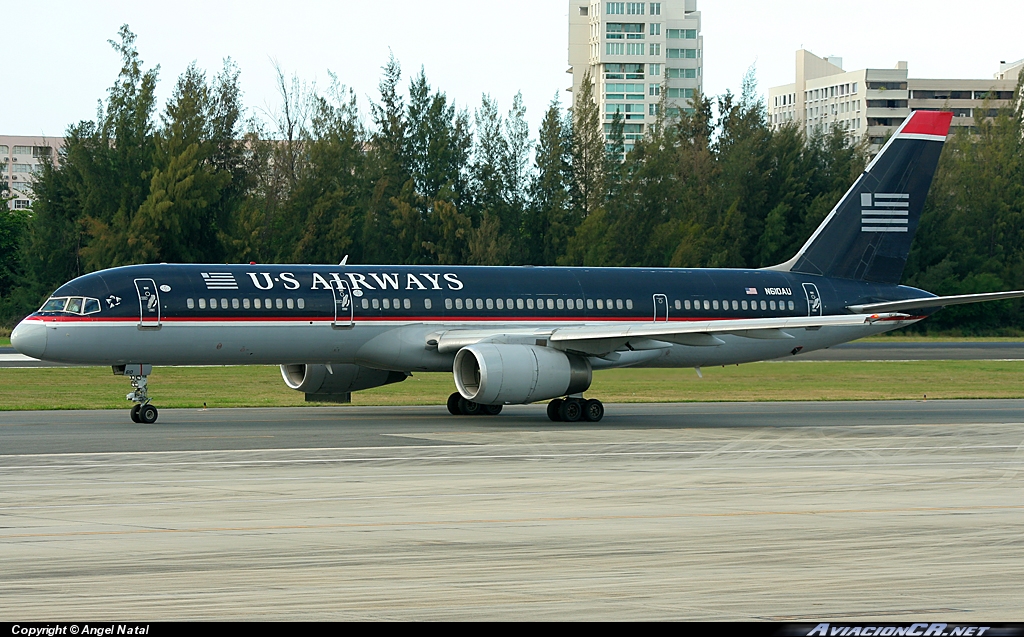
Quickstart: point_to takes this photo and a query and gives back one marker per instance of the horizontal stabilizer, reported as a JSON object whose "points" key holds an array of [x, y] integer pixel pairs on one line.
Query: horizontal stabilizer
{"points": [[933, 301]]}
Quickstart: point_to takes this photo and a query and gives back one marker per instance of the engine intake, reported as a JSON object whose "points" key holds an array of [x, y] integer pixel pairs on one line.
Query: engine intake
{"points": [[491, 374], [317, 381]]}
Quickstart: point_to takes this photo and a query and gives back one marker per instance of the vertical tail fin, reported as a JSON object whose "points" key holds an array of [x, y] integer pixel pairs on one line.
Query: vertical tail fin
{"points": [[867, 235]]}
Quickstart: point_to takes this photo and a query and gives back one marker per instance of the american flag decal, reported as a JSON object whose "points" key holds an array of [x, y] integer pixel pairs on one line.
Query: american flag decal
{"points": [[220, 281], [883, 212], [751, 290]]}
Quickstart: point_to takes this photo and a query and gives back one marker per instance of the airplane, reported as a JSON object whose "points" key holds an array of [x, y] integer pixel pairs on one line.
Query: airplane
{"points": [[510, 335]]}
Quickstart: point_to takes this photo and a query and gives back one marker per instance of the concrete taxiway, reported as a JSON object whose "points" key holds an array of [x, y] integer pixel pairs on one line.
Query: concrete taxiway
{"points": [[788, 511]]}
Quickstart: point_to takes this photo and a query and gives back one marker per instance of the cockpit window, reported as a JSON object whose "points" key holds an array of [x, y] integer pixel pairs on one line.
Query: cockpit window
{"points": [[73, 305], [54, 305]]}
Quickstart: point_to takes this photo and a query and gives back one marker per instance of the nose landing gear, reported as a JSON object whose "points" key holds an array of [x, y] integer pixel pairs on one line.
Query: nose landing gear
{"points": [[143, 411]]}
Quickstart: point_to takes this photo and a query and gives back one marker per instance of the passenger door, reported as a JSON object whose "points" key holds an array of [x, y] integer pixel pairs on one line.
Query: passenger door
{"points": [[344, 306], [813, 299], [660, 308], [149, 303]]}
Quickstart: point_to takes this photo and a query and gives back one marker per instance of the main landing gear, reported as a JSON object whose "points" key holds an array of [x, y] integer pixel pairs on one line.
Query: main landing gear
{"points": [[459, 406], [143, 412], [575, 409]]}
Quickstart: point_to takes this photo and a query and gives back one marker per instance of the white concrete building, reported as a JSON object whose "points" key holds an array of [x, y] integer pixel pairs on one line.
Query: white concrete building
{"points": [[634, 51], [21, 158], [871, 103]]}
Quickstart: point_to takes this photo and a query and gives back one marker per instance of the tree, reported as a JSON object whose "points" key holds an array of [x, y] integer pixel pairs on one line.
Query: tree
{"points": [[548, 219], [588, 149]]}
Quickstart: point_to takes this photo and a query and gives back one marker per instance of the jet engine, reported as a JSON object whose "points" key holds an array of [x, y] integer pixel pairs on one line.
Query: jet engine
{"points": [[336, 380], [492, 374]]}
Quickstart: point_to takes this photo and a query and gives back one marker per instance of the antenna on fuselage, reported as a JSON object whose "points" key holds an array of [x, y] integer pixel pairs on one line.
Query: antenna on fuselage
{"points": [[344, 261]]}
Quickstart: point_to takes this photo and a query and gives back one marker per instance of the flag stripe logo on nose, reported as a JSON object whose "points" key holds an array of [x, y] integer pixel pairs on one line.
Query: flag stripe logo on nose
{"points": [[884, 212], [220, 281]]}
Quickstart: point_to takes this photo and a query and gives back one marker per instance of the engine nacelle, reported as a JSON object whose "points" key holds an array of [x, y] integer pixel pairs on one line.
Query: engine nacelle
{"points": [[318, 380], [492, 374]]}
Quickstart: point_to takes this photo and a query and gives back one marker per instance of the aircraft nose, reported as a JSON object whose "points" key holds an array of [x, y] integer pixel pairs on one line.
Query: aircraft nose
{"points": [[29, 338]]}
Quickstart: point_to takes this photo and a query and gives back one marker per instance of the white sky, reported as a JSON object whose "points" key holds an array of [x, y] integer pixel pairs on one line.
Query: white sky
{"points": [[62, 64]]}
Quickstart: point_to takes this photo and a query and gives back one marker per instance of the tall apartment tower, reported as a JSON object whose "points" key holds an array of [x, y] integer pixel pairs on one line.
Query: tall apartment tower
{"points": [[21, 159], [634, 51]]}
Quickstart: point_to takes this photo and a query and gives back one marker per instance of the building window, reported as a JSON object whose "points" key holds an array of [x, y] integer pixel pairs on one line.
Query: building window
{"points": [[655, 49], [22, 150], [22, 204], [614, 48], [584, 11], [636, 49], [680, 74], [615, 8], [654, 89], [655, 8], [682, 34], [655, 28], [686, 93], [634, 8], [654, 69], [682, 54]]}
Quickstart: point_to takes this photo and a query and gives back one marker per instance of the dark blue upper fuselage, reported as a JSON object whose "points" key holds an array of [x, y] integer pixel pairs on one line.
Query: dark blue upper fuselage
{"points": [[471, 292]]}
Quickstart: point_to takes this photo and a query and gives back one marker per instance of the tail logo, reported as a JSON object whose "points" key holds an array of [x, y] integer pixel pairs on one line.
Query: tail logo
{"points": [[884, 212]]}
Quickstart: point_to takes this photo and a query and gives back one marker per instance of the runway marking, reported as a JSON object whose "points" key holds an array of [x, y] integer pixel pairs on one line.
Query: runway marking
{"points": [[531, 456], [475, 521]]}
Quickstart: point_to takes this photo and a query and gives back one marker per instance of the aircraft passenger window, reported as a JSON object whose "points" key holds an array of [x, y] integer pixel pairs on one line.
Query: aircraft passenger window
{"points": [[772, 304], [551, 304], [376, 304], [600, 304], [569, 303], [267, 304], [501, 304], [246, 303], [426, 303], [234, 304], [213, 304], [278, 304], [686, 304], [618, 304], [735, 305], [762, 305], [302, 304], [202, 304], [791, 306], [224, 304], [91, 306], [579, 304], [714, 304], [458, 304], [559, 302], [479, 304], [190, 303], [490, 304], [590, 304], [707, 305], [519, 304], [529, 303], [679, 305], [74, 305], [447, 304], [387, 304], [54, 305], [256, 303], [291, 304], [407, 304], [366, 304], [629, 304], [396, 304], [743, 305]]}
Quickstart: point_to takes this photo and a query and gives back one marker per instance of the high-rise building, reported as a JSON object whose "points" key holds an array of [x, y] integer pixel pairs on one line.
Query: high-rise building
{"points": [[871, 103], [634, 51], [21, 158]]}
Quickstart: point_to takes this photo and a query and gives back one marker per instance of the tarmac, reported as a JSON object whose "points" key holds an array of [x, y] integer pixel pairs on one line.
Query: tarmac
{"points": [[796, 512]]}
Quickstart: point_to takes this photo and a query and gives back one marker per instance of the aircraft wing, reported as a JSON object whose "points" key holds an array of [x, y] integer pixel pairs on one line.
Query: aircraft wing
{"points": [[933, 301], [601, 339]]}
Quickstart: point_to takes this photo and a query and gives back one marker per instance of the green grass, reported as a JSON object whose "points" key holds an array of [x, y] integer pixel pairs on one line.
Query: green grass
{"points": [[884, 338], [97, 388], [5, 342]]}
